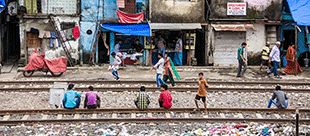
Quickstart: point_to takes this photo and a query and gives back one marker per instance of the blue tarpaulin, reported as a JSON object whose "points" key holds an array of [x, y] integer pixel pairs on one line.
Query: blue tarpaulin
{"points": [[300, 10], [2, 5], [130, 29]]}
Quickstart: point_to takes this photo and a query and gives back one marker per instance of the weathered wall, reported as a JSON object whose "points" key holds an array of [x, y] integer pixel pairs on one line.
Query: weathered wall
{"points": [[43, 24], [110, 8], [256, 39], [92, 10], [168, 11], [256, 9]]}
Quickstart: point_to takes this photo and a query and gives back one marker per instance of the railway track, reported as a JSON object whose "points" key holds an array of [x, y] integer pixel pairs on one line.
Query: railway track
{"points": [[12, 117], [211, 82], [182, 86]]}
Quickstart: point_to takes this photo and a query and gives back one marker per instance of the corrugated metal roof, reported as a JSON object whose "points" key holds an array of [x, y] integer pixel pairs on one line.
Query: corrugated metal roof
{"points": [[175, 26], [233, 27]]}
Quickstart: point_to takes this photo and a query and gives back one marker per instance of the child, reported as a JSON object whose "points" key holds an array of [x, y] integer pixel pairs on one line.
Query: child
{"points": [[115, 66], [165, 97], [202, 92], [160, 69]]}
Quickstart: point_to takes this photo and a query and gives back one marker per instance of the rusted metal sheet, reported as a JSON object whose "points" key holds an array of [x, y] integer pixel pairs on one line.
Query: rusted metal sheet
{"points": [[240, 28], [64, 7]]}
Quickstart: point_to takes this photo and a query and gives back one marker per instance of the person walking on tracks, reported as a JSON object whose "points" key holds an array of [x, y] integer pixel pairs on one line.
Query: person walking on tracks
{"points": [[92, 100], [160, 69], [115, 65], [170, 71], [241, 60], [202, 92], [265, 57], [142, 100], [274, 57], [72, 99], [165, 97], [282, 100]]}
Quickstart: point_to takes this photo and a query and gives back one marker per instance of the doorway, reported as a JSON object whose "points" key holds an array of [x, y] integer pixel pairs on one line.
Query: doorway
{"points": [[102, 48], [289, 38]]}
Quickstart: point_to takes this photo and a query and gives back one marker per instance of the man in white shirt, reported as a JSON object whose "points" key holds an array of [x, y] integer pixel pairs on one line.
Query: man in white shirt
{"points": [[117, 61], [274, 57], [160, 69]]}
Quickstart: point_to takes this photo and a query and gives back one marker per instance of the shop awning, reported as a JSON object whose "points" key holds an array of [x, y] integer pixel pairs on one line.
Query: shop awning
{"points": [[300, 11], [175, 26], [2, 5], [130, 29], [232, 27]]}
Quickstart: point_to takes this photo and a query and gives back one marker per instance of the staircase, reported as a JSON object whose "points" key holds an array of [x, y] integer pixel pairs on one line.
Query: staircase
{"points": [[60, 38]]}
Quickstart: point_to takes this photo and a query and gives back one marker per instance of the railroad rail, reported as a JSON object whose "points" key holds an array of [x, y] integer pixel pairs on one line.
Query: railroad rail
{"points": [[177, 89], [211, 82], [11, 117]]}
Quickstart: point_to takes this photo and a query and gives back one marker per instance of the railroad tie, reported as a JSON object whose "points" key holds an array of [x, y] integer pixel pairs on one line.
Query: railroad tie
{"points": [[168, 115], [133, 115], [94, 116], [222, 115], [44, 117], [240, 115], [6, 117], [25, 117], [186, 115], [114, 116], [59, 116], [277, 116], [149, 115], [259, 116], [76, 116]]}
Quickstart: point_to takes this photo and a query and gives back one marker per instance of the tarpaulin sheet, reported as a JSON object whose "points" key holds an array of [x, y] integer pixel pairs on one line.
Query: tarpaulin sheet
{"points": [[2, 5], [130, 29], [37, 62], [300, 10], [130, 18]]}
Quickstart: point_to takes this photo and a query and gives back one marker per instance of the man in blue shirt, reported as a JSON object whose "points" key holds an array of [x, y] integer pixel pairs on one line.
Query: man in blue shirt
{"points": [[274, 57], [241, 60], [69, 101]]}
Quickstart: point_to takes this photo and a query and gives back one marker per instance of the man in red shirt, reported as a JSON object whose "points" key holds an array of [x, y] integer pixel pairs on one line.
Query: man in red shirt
{"points": [[165, 97]]}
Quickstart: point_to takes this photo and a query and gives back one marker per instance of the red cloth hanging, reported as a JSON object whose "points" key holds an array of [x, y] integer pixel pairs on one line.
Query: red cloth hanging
{"points": [[76, 32], [130, 18]]}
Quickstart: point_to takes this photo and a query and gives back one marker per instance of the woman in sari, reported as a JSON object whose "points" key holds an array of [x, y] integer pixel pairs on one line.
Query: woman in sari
{"points": [[290, 58]]}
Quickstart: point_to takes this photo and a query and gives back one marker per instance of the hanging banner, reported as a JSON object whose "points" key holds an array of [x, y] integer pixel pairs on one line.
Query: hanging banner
{"points": [[130, 18], [2, 5], [236, 8]]}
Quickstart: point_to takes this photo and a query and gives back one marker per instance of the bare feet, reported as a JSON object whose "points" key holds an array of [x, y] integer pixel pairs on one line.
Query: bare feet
{"points": [[196, 110]]}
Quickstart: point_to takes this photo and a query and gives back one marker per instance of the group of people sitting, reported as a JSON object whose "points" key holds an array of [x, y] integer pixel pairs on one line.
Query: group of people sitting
{"points": [[72, 98]]}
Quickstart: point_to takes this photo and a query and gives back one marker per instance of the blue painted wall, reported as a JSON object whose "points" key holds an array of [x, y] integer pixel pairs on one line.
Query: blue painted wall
{"points": [[112, 43], [91, 10], [110, 8], [86, 39]]}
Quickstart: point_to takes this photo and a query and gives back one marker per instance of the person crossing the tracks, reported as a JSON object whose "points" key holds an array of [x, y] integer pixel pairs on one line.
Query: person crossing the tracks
{"points": [[160, 69], [115, 65], [202, 92], [92, 100], [72, 99], [242, 60], [170, 70], [282, 100], [165, 97], [274, 57], [265, 57], [142, 100]]}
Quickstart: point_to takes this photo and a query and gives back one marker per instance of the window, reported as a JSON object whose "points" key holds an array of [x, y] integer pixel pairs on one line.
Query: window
{"points": [[33, 40]]}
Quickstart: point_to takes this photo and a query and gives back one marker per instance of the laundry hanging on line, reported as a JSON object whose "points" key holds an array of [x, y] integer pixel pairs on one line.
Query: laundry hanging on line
{"points": [[76, 32], [54, 36], [44, 34]]}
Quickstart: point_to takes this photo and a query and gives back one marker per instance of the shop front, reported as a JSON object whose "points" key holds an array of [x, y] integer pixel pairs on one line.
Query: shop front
{"points": [[173, 34], [128, 34]]}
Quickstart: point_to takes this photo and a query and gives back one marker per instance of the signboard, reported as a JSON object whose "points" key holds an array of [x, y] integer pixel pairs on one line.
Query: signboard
{"points": [[236, 8]]}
